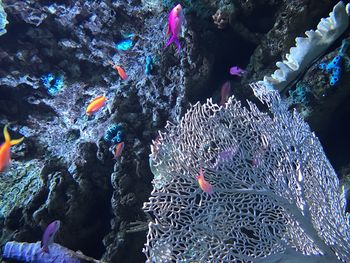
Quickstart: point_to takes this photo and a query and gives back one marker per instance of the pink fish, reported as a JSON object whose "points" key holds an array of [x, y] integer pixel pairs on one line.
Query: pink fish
{"points": [[49, 235], [118, 150], [237, 71], [203, 184], [225, 92], [175, 22]]}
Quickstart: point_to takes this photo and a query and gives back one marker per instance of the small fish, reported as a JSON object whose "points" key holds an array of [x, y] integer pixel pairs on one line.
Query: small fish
{"points": [[149, 65], [49, 235], [226, 155], [225, 92], [121, 71], [95, 105], [175, 22], [237, 71], [203, 184], [118, 150], [5, 149], [124, 44]]}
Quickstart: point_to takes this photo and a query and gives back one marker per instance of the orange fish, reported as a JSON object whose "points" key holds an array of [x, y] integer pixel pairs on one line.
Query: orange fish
{"points": [[203, 184], [5, 149], [95, 105], [118, 149], [120, 70]]}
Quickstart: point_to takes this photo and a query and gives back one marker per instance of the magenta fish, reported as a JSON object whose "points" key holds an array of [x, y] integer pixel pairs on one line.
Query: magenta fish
{"points": [[49, 235], [175, 22], [237, 71], [225, 92]]}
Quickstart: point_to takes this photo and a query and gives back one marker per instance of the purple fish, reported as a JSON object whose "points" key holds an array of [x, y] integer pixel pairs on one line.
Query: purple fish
{"points": [[49, 235], [225, 92], [226, 155], [175, 22], [237, 71]]}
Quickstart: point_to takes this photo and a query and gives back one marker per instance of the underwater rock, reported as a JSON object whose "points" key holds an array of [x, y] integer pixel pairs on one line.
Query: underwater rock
{"points": [[292, 20], [21, 184], [76, 177], [327, 100], [32, 253], [308, 48]]}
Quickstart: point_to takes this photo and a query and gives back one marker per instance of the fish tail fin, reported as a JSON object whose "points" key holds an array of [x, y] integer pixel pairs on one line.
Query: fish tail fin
{"points": [[175, 39], [6, 134], [17, 141], [171, 40], [177, 42]]}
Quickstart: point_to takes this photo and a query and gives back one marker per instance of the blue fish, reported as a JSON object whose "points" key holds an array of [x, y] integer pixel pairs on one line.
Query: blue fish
{"points": [[149, 65]]}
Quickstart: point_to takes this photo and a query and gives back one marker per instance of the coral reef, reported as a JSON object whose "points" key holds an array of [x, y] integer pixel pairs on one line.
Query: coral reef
{"points": [[275, 196], [114, 134], [309, 48], [335, 67], [325, 99], [291, 19], [64, 170], [52, 83]]}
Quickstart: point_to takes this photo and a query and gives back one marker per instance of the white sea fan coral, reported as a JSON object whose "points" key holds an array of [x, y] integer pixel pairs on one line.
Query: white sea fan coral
{"points": [[275, 199]]}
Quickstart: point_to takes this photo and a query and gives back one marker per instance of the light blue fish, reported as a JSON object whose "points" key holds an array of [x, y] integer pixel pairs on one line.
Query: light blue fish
{"points": [[124, 44]]}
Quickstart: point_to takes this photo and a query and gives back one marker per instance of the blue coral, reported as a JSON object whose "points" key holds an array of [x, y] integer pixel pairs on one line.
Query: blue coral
{"points": [[334, 68], [52, 83], [114, 134]]}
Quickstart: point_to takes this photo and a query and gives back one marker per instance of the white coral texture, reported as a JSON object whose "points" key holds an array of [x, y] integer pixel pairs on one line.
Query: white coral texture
{"points": [[276, 197]]}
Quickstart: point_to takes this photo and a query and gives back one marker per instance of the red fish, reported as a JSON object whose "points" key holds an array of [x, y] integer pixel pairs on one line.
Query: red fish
{"points": [[175, 22], [203, 184], [121, 71], [49, 235], [225, 92], [118, 150], [5, 149], [95, 105]]}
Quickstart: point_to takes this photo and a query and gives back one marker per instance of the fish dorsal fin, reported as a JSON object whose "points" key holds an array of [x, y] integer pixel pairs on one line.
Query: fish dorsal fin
{"points": [[6, 134]]}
